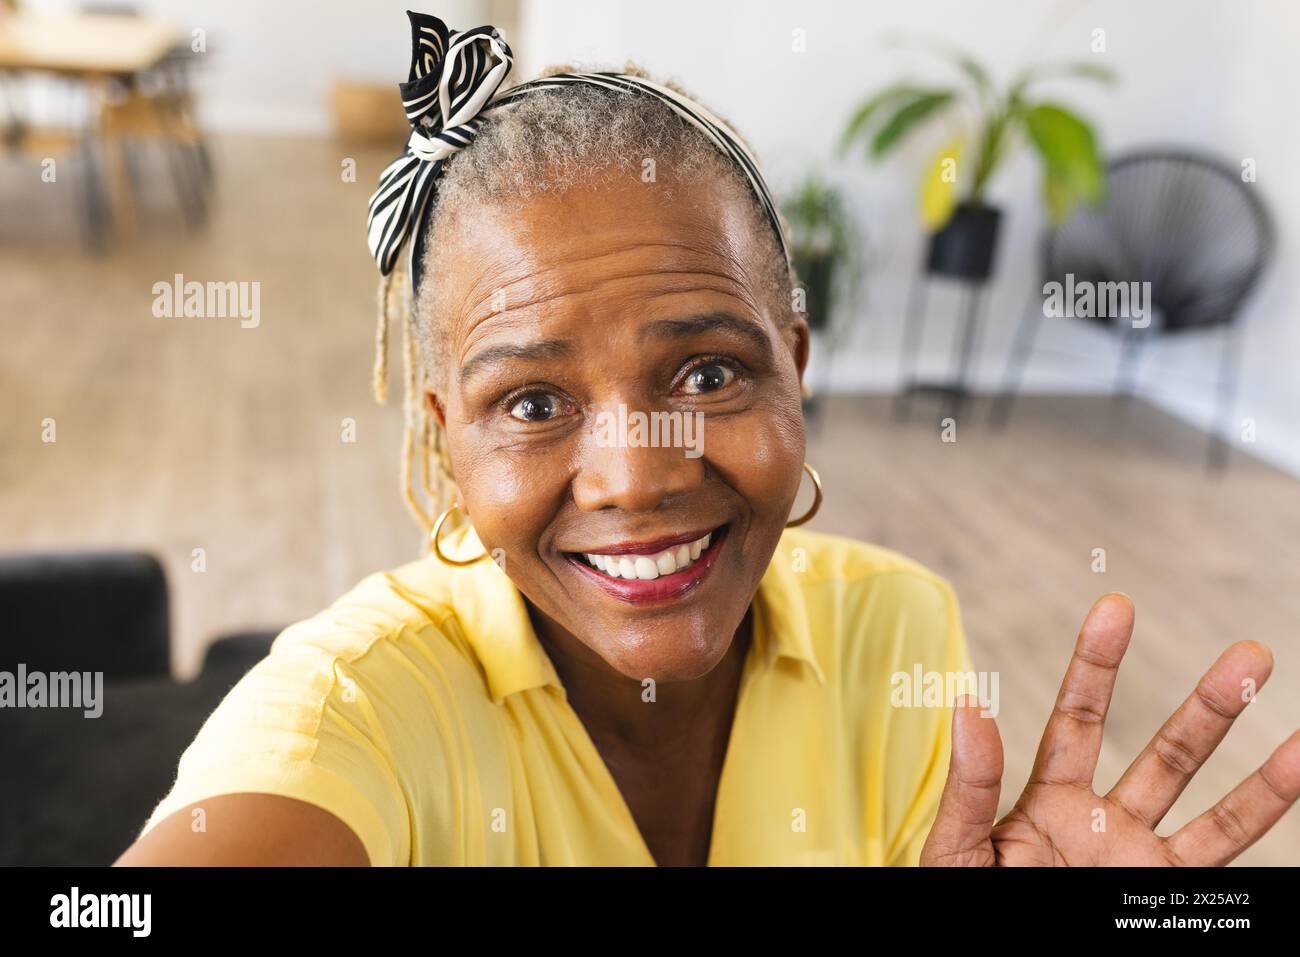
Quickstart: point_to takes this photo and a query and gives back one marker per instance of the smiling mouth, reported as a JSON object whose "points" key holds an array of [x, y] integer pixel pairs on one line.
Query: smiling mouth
{"points": [[649, 566], [652, 573]]}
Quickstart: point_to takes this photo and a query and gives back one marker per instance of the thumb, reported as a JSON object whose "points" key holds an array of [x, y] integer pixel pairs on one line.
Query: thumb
{"points": [[969, 804]]}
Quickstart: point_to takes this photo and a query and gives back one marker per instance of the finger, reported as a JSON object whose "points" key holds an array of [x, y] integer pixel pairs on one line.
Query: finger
{"points": [[1152, 783], [1072, 738], [1248, 810], [969, 804]]}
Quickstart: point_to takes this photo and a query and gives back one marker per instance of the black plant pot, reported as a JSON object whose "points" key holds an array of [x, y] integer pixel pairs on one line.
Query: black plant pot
{"points": [[965, 247], [816, 271]]}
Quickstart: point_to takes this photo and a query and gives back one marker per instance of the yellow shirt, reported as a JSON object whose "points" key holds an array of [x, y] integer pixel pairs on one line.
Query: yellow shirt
{"points": [[422, 711]]}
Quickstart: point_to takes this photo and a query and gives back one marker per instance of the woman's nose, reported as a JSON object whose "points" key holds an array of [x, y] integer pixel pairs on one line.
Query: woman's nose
{"points": [[635, 478]]}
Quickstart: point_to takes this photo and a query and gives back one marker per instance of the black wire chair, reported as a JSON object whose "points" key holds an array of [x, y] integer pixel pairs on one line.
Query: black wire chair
{"points": [[1190, 226]]}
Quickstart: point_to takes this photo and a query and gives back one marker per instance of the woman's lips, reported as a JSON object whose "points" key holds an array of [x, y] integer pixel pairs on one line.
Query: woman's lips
{"points": [[663, 588], [650, 547]]}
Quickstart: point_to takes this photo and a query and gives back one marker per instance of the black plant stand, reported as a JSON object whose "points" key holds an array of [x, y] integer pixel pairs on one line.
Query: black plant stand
{"points": [[957, 390], [817, 270], [963, 251]]}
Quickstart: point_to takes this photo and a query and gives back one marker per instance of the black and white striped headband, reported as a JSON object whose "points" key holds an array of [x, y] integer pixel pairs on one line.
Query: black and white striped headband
{"points": [[452, 88]]}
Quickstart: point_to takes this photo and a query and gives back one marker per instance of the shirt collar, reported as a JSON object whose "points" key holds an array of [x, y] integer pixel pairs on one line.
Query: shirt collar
{"points": [[496, 622], [497, 625], [782, 621]]}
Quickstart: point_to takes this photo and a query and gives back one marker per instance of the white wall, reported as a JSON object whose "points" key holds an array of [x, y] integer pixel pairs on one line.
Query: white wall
{"points": [[1206, 73]]}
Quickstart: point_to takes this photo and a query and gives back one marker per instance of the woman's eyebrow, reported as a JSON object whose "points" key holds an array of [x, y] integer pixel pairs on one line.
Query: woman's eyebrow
{"points": [[660, 329], [542, 349], [712, 322]]}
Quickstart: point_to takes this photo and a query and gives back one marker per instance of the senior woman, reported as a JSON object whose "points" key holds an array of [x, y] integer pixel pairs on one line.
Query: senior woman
{"points": [[617, 652]]}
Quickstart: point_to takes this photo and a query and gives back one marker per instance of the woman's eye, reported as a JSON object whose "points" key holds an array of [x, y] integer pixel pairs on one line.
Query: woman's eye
{"points": [[536, 407], [708, 378]]}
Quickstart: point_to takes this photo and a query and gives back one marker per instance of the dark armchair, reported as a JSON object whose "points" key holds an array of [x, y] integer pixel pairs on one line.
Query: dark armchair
{"points": [[1189, 225], [75, 790]]}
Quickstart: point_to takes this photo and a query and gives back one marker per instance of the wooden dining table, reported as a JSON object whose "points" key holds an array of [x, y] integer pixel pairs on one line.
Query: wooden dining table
{"points": [[93, 49]]}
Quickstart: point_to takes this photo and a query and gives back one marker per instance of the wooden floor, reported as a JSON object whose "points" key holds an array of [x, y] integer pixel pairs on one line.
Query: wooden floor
{"points": [[174, 435]]}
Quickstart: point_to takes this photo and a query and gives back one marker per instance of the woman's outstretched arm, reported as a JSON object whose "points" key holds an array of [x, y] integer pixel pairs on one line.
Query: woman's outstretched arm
{"points": [[249, 830]]}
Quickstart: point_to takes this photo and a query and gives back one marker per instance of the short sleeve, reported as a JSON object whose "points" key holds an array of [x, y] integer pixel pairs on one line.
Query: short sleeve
{"points": [[299, 725], [940, 648]]}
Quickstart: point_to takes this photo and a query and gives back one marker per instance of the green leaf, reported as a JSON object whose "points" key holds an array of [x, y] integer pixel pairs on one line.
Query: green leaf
{"points": [[1072, 167], [984, 86], [858, 122], [991, 142], [972, 68], [908, 116], [1057, 196], [1083, 69]]}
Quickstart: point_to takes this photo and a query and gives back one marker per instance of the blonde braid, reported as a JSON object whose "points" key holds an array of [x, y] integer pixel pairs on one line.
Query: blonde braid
{"points": [[424, 446], [447, 489], [427, 463], [413, 453], [379, 379]]}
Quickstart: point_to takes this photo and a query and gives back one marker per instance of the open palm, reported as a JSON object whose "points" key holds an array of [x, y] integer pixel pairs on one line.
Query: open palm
{"points": [[1059, 818]]}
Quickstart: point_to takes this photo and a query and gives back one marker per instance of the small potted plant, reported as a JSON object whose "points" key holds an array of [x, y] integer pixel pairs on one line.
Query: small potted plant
{"points": [[823, 246], [964, 227]]}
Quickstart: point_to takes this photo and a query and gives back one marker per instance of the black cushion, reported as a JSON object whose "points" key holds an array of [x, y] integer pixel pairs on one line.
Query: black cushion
{"points": [[85, 611], [77, 790]]}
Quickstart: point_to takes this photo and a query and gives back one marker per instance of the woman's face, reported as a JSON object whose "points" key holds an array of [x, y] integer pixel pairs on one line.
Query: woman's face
{"points": [[571, 319]]}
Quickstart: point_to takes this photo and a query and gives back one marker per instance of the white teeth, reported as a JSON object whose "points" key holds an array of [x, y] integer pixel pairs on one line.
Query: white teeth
{"points": [[649, 567]]}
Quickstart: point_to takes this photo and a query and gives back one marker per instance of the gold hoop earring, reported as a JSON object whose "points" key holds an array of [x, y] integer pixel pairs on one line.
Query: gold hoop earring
{"points": [[437, 550], [817, 497]]}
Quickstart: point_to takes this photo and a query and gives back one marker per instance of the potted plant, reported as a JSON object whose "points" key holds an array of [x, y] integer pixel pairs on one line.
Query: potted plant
{"points": [[964, 227], [823, 246]]}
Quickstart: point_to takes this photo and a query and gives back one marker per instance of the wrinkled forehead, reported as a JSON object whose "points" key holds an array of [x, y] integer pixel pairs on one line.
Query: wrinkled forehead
{"points": [[551, 254]]}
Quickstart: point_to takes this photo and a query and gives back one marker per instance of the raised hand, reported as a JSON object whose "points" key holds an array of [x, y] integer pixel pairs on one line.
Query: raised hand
{"points": [[1060, 820]]}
